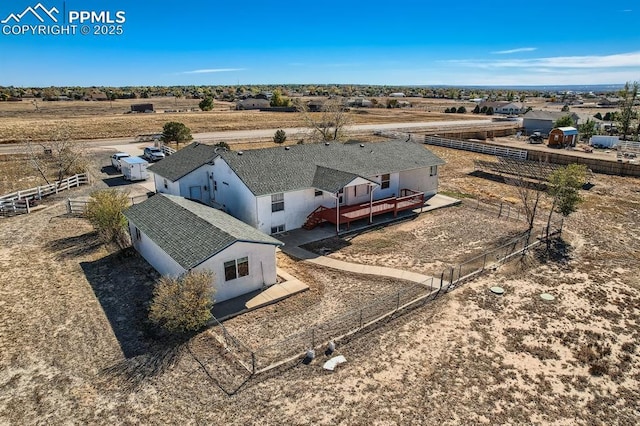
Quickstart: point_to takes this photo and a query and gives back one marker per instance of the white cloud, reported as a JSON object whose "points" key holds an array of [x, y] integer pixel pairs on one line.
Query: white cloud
{"points": [[631, 59], [212, 70], [518, 50]]}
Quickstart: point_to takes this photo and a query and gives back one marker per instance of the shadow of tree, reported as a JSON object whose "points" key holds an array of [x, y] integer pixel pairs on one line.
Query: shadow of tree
{"points": [[70, 247]]}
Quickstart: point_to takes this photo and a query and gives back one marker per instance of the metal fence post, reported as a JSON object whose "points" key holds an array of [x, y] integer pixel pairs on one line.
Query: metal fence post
{"points": [[484, 261], [360, 318], [313, 338], [253, 362], [398, 301]]}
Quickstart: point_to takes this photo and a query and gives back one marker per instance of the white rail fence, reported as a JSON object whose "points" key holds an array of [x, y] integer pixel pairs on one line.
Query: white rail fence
{"points": [[77, 207], [518, 154], [20, 202]]}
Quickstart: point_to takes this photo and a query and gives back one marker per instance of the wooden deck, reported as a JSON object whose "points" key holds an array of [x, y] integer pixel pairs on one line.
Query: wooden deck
{"points": [[408, 200]]}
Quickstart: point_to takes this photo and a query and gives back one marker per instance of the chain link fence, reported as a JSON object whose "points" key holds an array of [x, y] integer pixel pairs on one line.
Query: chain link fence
{"points": [[245, 361]]}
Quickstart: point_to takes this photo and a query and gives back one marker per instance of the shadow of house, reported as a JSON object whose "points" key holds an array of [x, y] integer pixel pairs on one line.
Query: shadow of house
{"points": [[123, 284]]}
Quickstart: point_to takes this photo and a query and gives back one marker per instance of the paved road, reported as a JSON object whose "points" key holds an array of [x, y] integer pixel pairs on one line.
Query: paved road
{"points": [[238, 135]]}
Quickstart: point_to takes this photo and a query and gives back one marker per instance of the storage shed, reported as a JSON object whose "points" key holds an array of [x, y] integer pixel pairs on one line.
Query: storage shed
{"points": [[563, 136]]}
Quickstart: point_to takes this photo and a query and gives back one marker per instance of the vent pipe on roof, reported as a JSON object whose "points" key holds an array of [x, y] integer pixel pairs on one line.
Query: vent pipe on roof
{"points": [[361, 145], [239, 152], [326, 143], [286, 148]]}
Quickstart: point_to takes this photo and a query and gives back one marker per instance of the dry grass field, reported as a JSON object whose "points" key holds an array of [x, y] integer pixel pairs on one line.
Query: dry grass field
{"points": [[98, 120], [72, 325]]}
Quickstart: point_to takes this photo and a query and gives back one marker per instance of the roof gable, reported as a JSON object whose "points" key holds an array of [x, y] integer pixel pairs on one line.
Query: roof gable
{"points": [[190, 232], [184, 161]]}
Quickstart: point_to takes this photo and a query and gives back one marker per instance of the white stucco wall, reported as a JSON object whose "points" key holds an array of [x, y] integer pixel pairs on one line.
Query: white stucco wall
{"points": [[419, 180], [393, 189], [233, 194], [153, 254], [173, 188], [262, 265], [198, 177], [262, 269], [297, 206]]}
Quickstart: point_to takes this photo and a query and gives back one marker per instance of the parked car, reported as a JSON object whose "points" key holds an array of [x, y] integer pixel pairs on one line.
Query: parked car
{"points": [[115, 159], [151, 153]]}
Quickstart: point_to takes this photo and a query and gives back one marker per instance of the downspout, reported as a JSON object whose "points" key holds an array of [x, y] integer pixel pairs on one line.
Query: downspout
{"points": [[337, 214], [371, 189]]}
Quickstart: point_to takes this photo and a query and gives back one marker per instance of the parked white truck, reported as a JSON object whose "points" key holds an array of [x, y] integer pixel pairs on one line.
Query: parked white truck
{"points": [[116, 158], [134, 168]]}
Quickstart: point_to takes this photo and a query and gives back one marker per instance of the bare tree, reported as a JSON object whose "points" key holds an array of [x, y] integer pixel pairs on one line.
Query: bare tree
{"points": [[59, 156], [328, 124]]}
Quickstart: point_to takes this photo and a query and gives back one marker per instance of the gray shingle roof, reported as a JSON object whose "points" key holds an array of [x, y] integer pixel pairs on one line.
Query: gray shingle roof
{"points": [[273, 170], [331, 180], [184, 161], [190, 232], [546, 115]]}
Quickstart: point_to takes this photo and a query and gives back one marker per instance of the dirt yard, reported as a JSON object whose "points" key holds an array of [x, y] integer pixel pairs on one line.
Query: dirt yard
{"points": [[70, 331], [98, 120]]}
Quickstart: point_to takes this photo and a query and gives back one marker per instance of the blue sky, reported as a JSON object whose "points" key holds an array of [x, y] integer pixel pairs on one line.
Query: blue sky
{"points": [[400, 42]]}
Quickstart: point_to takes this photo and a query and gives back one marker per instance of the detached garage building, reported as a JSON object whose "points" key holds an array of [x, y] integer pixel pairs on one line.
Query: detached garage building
{"points": [[176, 235]]}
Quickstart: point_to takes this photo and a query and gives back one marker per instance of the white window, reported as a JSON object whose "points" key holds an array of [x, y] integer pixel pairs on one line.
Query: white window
{"points": [[433, 171], [277, 229], [236, 268], [277, 202], [386, 181], [165, 184], [138, 235]]}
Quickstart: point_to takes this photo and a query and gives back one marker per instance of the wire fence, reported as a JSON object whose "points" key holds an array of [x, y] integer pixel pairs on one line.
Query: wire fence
{"points": [[240, 361]]}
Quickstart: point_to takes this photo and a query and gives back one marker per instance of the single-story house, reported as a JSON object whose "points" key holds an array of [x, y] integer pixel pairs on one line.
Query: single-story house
{"points": [[176, 235], [284, 188], [503, 107], [563, 136], [253, 103], [397, 95], [543, 121]]}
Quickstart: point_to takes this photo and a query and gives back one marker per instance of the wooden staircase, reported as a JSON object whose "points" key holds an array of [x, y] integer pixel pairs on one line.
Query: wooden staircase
{"points": [[315, 218]]}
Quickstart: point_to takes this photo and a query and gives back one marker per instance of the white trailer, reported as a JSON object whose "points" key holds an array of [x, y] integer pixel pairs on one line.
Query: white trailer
{"points": [[134, 168], [601, 141]]}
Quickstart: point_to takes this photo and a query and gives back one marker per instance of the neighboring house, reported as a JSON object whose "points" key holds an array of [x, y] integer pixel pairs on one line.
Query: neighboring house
{"points": [[543, 121], [176, 235], [397, 95], [360, 103], [253, 103], [508, 108], [315, 105], [283, 188], [563, 136]]}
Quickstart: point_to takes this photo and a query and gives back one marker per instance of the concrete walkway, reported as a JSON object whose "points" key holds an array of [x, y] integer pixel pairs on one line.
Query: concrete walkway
{"points": [[294, 239], [357, 268]]}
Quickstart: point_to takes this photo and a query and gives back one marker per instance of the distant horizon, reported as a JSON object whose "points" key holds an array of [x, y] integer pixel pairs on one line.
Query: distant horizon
{"points": [[548, 87], [405, 43]]}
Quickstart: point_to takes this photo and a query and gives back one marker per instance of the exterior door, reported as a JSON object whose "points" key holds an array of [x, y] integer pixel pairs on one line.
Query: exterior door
{"points": [[341, 197], [195, 193]]}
